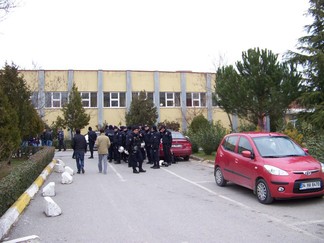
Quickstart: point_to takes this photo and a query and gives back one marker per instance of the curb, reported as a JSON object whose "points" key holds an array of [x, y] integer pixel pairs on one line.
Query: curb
{"points": [[12, 214], [201, 160]]}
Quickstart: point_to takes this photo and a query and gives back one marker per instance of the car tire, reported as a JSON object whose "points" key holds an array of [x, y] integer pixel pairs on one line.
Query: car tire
{"points": [[219, 178], [263, 192], [186, 158]]}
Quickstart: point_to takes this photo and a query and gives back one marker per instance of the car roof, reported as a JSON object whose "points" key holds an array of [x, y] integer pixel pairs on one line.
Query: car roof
{"points": [[257, 134]]}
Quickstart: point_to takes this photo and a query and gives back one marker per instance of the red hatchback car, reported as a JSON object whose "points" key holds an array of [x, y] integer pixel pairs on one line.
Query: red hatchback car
{"points": [[181, 146], [270, 164]]}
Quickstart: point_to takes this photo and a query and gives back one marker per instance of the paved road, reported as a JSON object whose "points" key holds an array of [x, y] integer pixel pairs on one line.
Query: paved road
{"points": [[180, 203]]}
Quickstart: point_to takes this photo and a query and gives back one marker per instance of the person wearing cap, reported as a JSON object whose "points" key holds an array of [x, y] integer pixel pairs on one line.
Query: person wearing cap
{"points": [[155, 142], [147, 134], [118, 141], [141, 135], [133, 146], [167, 143], [110, 133]]}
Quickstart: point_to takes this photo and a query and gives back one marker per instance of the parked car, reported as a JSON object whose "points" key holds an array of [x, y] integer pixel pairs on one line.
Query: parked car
{"points": [[270, 164], [181, 146], [87, 139]]}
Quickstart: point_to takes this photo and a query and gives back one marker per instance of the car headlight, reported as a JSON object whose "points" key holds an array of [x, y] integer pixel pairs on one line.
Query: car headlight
{"points": [[322, 164], [276, 171]]}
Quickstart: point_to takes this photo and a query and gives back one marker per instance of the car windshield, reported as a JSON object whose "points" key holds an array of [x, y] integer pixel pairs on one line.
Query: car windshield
{"points": [[277, 146]]}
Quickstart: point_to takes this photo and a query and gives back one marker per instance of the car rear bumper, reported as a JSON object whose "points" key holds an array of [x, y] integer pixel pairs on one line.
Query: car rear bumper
{"points": [[178, 152]]}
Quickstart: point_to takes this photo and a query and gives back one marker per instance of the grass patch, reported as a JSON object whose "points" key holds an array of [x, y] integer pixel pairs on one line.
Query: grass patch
{"points": [[202, 155], [6, 169]]}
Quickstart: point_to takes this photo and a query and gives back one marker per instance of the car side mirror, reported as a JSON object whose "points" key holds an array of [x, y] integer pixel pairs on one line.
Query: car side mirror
{"points": [[306, 150], [247, 154]]}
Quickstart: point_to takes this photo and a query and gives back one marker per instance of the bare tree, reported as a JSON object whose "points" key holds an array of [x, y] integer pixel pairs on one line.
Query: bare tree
{"points": [[6, 6]]}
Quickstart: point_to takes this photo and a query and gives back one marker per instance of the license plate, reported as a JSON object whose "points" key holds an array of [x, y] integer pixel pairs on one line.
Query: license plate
{"points": [[310, 185], [176, 146]]}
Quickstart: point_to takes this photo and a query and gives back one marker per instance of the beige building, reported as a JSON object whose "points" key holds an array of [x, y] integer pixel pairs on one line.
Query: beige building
{"points": [[107, 95]]}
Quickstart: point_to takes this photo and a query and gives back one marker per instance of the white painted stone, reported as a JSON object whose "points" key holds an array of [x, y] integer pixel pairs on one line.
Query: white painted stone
{"points": [[49, 190], [59, 161], [59, 168], [69, 170], [26, 239], [66, 178], [51, 208]]}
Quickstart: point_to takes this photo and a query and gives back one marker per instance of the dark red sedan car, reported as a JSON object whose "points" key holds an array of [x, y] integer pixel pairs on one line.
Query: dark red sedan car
{"points": [[270, 164], [181, 146]]}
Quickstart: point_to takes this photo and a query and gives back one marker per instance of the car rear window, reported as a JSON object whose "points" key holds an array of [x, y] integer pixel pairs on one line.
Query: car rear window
{"points": [[177, 135]]}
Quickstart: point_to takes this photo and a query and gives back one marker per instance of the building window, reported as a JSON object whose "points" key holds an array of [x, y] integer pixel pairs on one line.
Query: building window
{"points": [[196, 99], [55, 99], [149, 95], [168, 99], [89, 99], [114, 99]]}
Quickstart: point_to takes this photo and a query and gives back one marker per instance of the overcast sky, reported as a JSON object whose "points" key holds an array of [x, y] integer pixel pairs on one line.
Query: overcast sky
{"points": [[166, 35]]}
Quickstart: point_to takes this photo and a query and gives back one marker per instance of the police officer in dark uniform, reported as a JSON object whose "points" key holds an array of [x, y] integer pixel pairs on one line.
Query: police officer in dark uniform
{"points": [[141, 135], [167, 143], [60, 137], [110, 133], [128, 132], [123, 132], [148, 143], [118, 141], [155, 146], [133, 146]]}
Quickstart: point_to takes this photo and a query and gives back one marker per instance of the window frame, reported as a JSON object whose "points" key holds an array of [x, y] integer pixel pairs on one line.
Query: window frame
{"points": [[120, 103], [165, 99]]}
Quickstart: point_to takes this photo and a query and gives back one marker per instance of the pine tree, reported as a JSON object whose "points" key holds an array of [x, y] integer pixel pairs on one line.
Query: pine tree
{"points": [[15, 88], [74, 114], [310, 56], [142, 111], [260, 86], [9, 134]]}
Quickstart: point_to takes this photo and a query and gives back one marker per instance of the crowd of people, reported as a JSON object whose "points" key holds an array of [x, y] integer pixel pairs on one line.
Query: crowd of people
{"points": [[132, 144]]}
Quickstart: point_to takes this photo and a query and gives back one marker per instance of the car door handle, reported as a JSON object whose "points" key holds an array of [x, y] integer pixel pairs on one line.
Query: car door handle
{"points": [[236, 161]]}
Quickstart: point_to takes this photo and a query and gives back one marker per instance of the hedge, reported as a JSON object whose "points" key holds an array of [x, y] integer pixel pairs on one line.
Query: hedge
{"points": [[19, 180]]}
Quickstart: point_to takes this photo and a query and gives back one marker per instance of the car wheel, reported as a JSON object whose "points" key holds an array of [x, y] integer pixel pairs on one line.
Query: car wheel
{"points": [[186, 158], [263, 192], [219, 178]]}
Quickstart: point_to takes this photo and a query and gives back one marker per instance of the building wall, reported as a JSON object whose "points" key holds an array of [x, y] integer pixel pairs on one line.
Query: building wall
{"points": [[106, 81]]}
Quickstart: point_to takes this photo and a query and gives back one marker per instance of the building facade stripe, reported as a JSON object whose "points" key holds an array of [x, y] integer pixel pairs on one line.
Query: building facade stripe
{"points": [[100, 97], [183, 81], [41, 93], [157, 93], [209, 97], [129, 88]]}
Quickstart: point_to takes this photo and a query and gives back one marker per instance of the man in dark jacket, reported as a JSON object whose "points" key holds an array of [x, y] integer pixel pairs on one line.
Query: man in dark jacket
{"points": [[148, 143], [92, 136], [110, 133], [79, 145], [118, 141], [167, 143], [60, 137], [133, 146], [155, 141]]}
